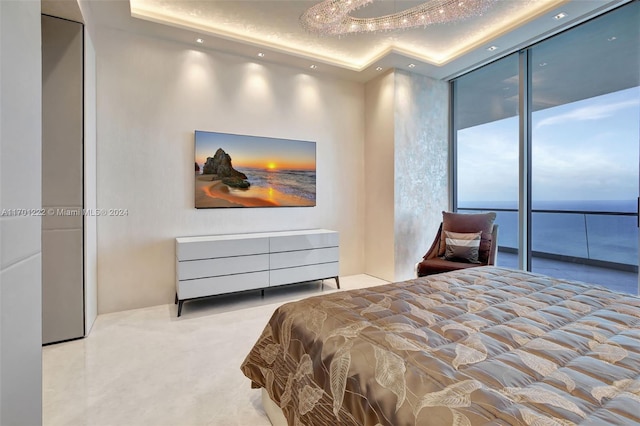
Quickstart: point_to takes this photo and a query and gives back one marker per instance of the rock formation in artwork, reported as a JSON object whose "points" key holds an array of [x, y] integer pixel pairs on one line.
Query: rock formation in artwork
{"points": [[236, 182], [220, 167]]}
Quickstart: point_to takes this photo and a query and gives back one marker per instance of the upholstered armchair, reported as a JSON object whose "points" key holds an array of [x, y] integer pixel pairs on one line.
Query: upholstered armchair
{"points": [[473, 241]]}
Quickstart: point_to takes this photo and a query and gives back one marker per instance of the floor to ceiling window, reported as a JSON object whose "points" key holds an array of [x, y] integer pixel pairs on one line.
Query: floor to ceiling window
{"points": [[486, 123], [584, 144]]}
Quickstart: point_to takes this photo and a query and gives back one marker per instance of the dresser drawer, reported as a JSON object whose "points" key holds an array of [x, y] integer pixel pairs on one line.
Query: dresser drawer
{"points": [[303, 273], [192, 269], [218, 285], [303, 242], [303, 257], [200, 248]]}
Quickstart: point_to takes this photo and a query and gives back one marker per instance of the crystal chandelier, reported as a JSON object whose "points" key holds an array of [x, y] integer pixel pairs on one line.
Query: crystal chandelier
{"points": [[331, 17]]}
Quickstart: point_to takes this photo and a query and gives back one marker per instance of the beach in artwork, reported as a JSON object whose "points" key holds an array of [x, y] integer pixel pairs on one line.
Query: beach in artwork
{"points": [[217, 194], [246, 171]]}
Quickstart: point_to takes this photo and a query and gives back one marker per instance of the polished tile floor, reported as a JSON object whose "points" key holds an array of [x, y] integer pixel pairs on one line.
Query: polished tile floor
{"points": [[147, 367]]}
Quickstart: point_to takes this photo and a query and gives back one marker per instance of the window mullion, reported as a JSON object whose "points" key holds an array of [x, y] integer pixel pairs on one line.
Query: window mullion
{"points": [[524, 192]]}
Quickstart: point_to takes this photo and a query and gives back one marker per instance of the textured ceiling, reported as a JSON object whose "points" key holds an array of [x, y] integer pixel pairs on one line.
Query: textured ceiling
{"points": [[276, 23], [246, 27]]}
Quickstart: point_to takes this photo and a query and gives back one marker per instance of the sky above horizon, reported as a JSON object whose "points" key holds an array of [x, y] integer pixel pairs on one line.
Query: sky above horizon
{"points": [[584, 150], [256, 152]]}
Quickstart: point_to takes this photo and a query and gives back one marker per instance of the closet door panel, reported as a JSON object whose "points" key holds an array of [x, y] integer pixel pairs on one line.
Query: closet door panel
{"points": [[62, 180], [62, 289]]}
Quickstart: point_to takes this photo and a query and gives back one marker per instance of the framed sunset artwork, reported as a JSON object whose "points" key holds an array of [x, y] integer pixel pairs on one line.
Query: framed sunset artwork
{"points": [[251, 171]]}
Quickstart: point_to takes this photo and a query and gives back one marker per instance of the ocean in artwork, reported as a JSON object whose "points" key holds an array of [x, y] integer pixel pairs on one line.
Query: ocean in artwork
{"points": [[298, 183]]}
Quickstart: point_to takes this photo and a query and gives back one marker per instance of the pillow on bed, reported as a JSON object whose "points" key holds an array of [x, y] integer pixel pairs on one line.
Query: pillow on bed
{"points": [[476, 222], [462, 247]]}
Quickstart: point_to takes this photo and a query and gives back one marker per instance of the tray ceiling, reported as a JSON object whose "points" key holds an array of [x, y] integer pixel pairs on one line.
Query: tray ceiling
{"points": [[249, 27]]}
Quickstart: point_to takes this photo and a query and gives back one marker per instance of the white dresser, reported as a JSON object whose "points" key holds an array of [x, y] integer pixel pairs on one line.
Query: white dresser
{"points": [[218, 264]]}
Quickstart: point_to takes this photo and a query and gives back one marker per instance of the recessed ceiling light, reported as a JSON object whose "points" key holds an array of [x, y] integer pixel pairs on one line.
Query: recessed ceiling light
{"points": [[313, 67], [492, 48], [411, 65], [378, 68], [199, 40], [261, 54], [612, 38], [559, 16]]}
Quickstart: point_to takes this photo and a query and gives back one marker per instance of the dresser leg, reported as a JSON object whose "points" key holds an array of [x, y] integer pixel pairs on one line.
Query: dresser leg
{"points": [[180, 307], [338, 282], [262, 293], [176, 301]]}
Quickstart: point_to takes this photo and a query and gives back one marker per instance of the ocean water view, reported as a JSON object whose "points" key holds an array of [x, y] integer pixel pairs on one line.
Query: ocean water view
{"points": [[598, 230], [299, 183]]}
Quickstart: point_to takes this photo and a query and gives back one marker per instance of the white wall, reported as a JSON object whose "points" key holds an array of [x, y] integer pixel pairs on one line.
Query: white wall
{"points": [[20, 188], [152, 95], [379, 176], [90, 195]]}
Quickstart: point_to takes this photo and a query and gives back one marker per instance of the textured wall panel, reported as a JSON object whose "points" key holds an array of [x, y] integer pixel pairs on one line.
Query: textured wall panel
{"points": [[421, 166]]}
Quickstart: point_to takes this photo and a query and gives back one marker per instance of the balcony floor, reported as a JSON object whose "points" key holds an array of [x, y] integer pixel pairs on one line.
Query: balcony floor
{"points": [[623, 281]]}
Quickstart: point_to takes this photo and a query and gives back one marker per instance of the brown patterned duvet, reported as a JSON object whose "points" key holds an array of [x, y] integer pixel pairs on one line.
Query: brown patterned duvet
{"points": [[474, 347]]}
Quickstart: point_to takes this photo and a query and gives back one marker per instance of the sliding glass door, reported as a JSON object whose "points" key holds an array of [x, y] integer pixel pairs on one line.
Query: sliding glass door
{"points": [[584, 115], [486, 134], [585, 136]]}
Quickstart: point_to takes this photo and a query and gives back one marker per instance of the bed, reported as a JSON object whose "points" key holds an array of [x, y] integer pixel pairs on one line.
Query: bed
{"points": [[479, 346]]}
